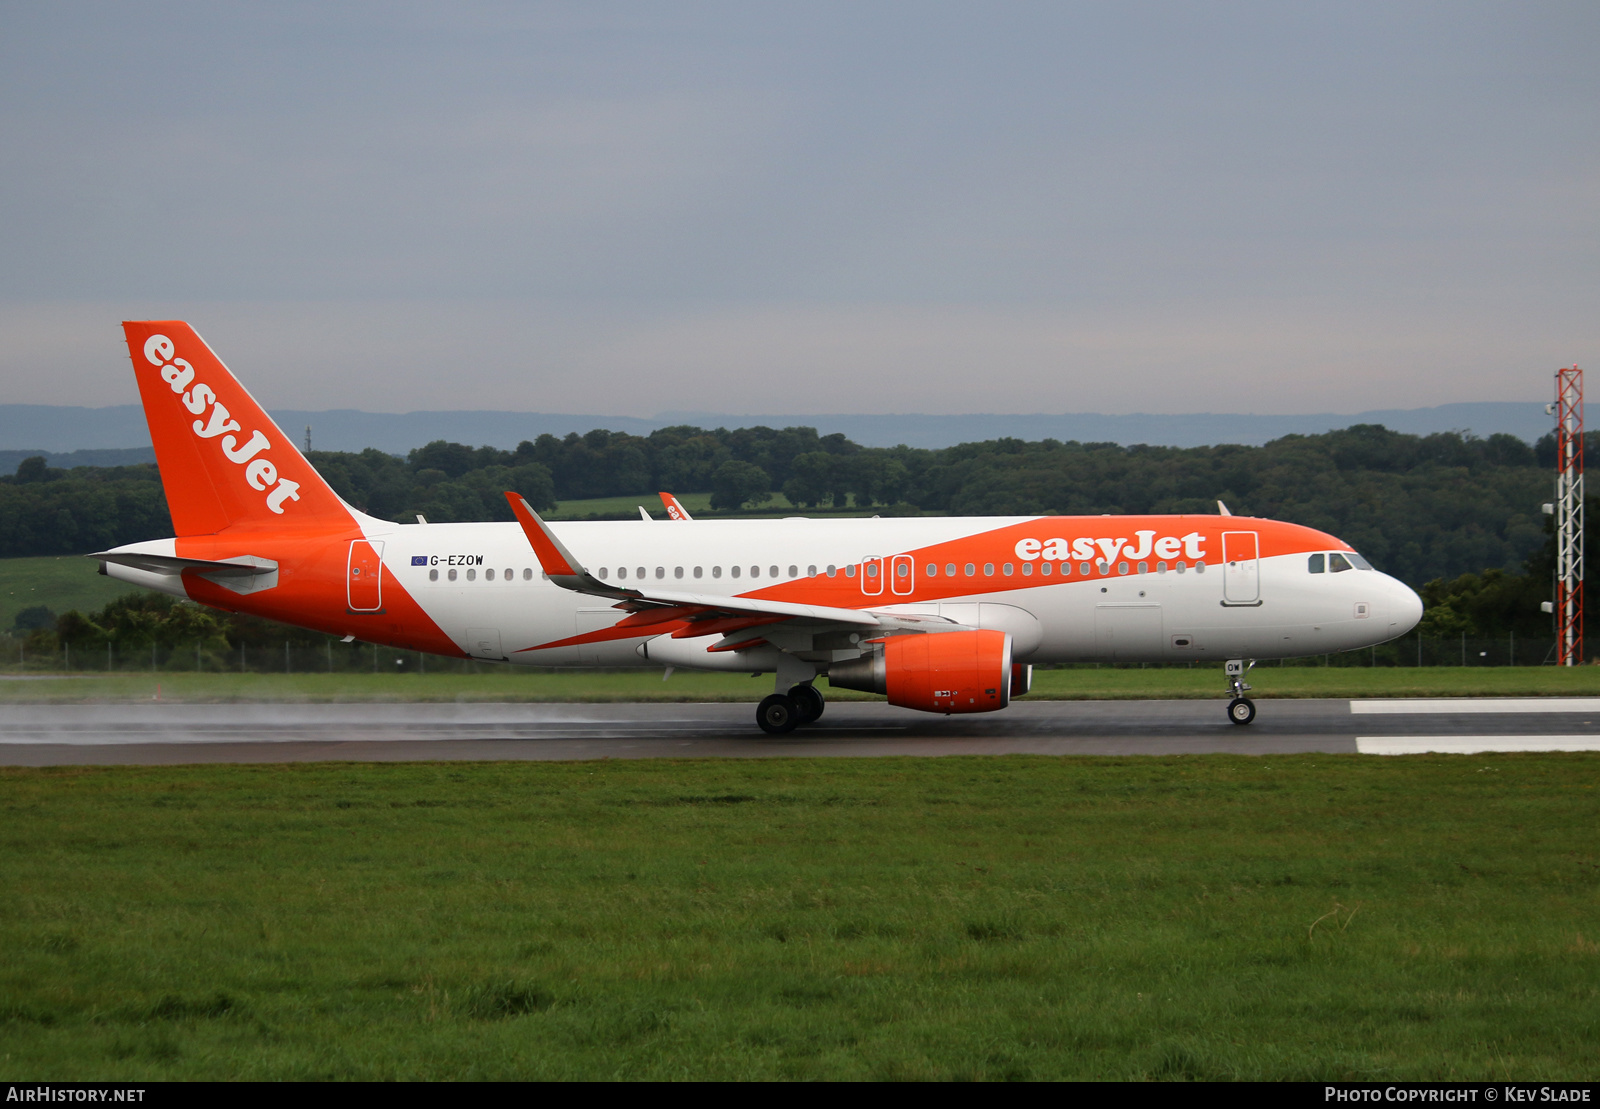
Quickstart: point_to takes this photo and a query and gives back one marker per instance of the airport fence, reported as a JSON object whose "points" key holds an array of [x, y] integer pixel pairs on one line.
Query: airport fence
{"points": [[286, 657], [357, 657]]}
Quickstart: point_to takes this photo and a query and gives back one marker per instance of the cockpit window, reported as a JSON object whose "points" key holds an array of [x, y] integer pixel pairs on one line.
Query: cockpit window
{"points": [[1357, 561], [1318, 564], [1338, 563]]}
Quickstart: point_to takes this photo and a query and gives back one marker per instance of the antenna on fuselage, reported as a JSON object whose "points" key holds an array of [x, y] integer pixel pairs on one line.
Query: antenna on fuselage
{"points": [[1222, 509]]}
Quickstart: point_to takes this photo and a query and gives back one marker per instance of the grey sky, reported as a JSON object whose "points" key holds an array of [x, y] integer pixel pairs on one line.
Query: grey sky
{"points": [[805, 207]]}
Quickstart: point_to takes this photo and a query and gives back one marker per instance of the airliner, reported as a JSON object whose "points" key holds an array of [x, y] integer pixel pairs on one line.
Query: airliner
{"points": [[941, 614]]}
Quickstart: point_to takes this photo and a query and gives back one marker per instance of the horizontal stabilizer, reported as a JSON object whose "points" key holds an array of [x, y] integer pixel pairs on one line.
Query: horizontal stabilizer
{"points": [[242, 566]]}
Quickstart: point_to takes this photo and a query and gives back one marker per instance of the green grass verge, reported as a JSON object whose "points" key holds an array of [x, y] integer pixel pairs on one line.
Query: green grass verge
{"points": [[1308, 917], [511, 684], [62, 583]]}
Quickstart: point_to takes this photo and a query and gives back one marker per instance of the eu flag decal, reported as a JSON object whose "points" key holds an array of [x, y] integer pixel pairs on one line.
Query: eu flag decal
{"points": [[419, 560]]}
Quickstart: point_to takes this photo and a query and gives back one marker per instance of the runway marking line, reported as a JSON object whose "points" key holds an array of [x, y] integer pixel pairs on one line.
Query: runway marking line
{"points": [[1472, 744], [1435, 705]]}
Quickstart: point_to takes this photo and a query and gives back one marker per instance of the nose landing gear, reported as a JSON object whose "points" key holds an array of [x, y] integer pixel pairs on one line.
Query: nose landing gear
{"points": [[782, 713], [1241, 710]]}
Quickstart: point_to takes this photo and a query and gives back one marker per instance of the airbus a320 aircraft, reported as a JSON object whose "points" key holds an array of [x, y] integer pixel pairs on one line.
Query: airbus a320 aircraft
{"points": [[945, 615]]}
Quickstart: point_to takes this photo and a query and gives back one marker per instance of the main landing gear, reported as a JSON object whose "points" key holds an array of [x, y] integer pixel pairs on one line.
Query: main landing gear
{"points": [[1241, 710], [782, 713]]}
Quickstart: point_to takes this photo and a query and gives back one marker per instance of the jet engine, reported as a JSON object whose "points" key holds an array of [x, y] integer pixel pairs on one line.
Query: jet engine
{"points": [[948, 672]]}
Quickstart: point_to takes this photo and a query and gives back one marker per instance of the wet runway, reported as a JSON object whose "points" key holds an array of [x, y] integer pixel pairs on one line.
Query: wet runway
{"points": [[56, 735]]}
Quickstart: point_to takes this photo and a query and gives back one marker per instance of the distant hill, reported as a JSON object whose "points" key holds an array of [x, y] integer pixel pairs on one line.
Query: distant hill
{"points": [[34, 429], [125, 456]]}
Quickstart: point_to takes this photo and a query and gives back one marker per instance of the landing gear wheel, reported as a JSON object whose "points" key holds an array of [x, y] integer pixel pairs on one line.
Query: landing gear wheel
{"points": [[1241, 710], [778, 714], [808, 700]]}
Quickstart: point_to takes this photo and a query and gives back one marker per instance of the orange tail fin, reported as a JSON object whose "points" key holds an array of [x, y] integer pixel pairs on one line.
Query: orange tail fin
{"points": [[675, 510], [223, 461]]}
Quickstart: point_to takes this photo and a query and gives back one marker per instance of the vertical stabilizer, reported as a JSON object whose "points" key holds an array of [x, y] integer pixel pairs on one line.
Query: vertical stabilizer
{"points": [[223, 461]]}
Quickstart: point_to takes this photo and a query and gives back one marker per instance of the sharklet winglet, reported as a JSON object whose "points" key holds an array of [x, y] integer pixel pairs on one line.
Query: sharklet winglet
{"points": [[558, 563]]}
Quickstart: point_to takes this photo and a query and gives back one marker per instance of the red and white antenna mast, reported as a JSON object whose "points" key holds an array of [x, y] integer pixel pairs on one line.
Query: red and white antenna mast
{"points": [[1569, 516]]}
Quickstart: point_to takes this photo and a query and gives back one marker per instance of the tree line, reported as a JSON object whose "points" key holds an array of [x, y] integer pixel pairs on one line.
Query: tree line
{"points": [[1424, 508]]}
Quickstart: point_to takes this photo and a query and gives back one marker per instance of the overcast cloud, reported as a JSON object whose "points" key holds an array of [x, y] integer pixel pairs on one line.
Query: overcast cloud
{"points": [[858, 207]]}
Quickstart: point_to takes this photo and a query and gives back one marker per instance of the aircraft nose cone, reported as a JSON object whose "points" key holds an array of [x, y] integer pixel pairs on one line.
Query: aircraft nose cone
{"points": [[1406, 607]]}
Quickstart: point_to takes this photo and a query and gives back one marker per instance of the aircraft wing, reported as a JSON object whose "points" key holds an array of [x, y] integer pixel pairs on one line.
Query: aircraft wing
{"points": [[701, 613]]}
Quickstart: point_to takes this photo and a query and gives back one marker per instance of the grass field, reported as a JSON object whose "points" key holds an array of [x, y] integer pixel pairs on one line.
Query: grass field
{"points": [[61, 583], [1307, 917], [510, 684]]}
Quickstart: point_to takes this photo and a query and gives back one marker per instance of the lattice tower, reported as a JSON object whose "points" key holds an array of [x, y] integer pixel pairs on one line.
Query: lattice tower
{"points": [[1569, 516]]}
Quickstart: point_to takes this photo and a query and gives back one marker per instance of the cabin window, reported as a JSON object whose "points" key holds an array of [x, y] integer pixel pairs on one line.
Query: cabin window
{"points": [[527, 573], [1181, 567], [850, 570], [1144, 567], [811, 571], [950, 569], [1027, 569], [1047, 568], [1317, 564], [622, 571], [677, 571], [510, 575], [988, 569], [832, 570], [699, 571], [1338, 564], [734, 570], [794, 571], [716, 571], [755, 571], [1066, 569], [902, 569], [661, 572], [1200, 567], [1161, 567], [1102, 567], [433, 575], [932, 570], [872, 569], [1122, 567], [488, 575], [1084, 569], [472, 575], [971, 569], [452, 575], [1007, 569], [639, 571]]}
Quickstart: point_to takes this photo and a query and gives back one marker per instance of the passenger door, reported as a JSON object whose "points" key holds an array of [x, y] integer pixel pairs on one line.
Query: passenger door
{"points": [[1241, 568], [364, 577]]}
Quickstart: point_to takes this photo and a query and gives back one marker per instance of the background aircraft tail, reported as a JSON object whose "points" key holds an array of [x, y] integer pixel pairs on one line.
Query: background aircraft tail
{"points": [[223, 461]]}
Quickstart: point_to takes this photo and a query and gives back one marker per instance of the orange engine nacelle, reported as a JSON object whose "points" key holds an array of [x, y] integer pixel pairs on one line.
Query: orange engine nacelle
{"points": [[945, 672]]}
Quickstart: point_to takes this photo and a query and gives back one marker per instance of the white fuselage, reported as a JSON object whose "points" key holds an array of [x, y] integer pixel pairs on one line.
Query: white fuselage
{"points": [[1149, 617]]}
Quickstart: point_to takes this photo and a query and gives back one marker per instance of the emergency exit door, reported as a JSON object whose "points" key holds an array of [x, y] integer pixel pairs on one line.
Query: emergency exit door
{"points": [[364, 577]]}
